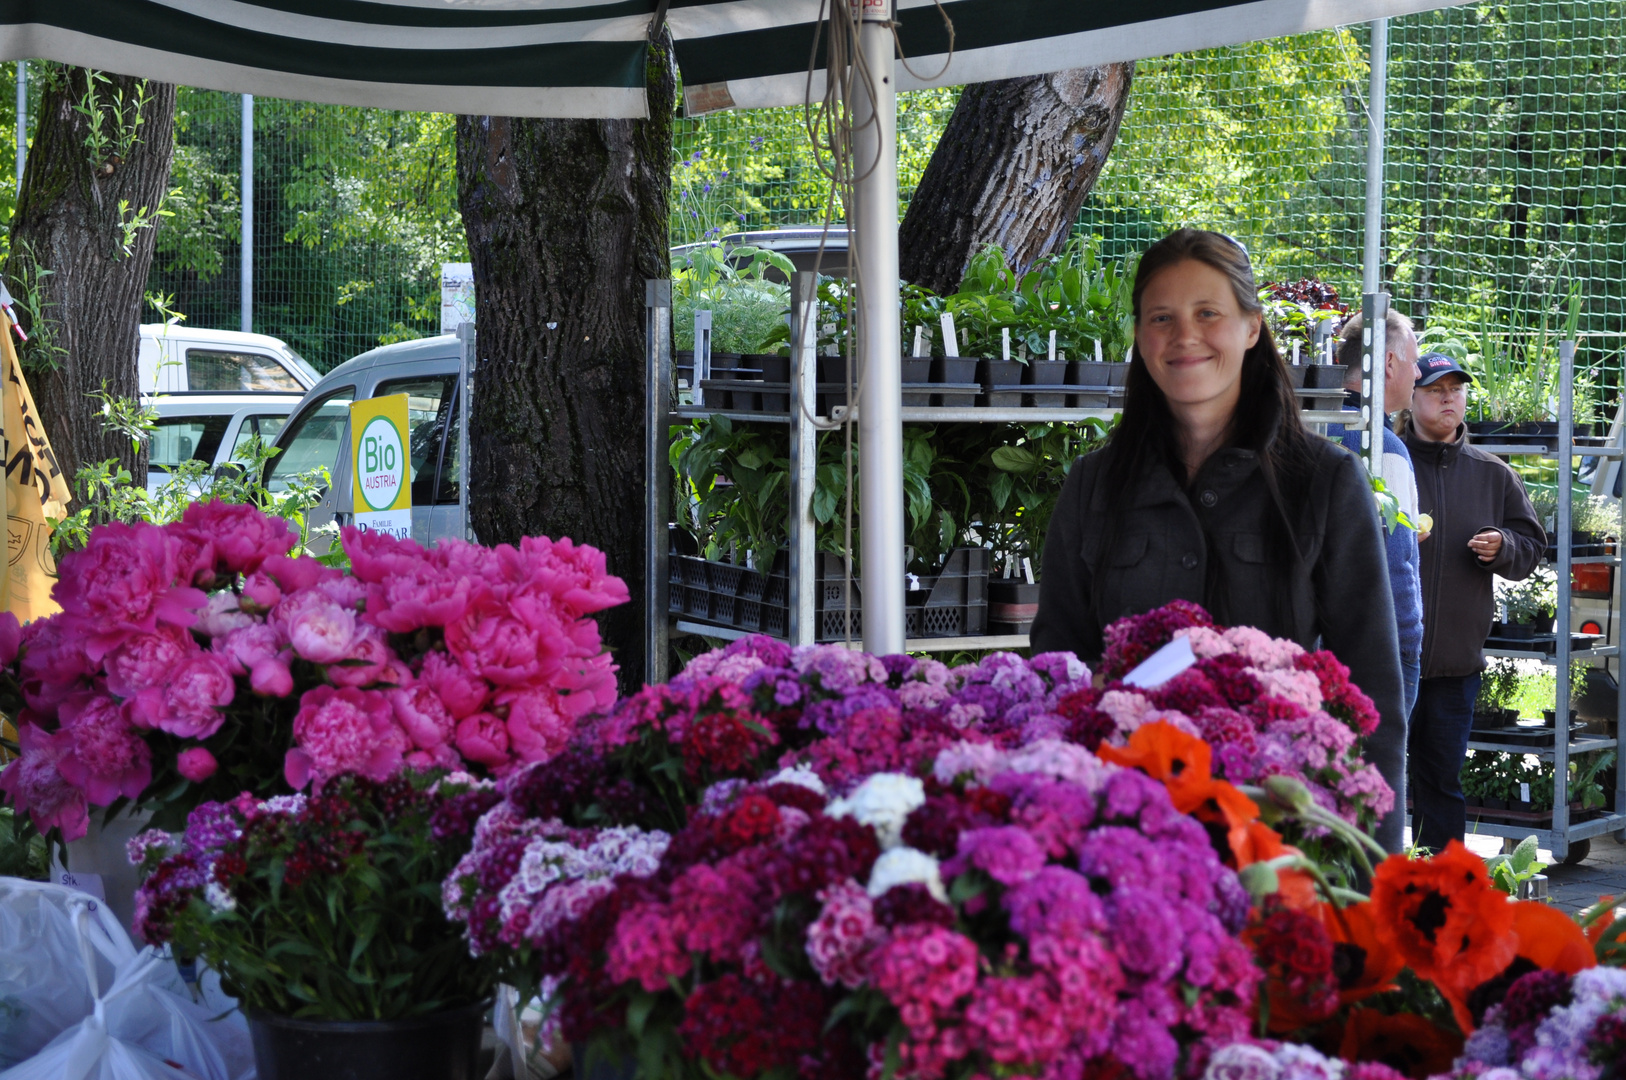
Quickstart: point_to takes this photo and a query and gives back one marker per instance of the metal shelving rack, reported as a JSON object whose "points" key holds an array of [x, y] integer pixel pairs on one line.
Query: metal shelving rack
{"points": [[1562, 832], [803, 433]]}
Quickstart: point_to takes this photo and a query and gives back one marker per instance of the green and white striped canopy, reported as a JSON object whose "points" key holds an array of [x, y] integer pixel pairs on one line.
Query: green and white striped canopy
{"points": [[585, 58]]}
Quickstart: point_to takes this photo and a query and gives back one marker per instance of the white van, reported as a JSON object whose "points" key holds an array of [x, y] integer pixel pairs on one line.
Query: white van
{"points": [[212, 389], [178, 359]]}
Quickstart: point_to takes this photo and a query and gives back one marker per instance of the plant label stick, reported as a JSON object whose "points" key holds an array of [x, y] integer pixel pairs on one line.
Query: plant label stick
{"points": [[951, 340], [1098, 350], [1005, 342], [1295, 354], [920, 334], [1027, 569], [1052, 346]]}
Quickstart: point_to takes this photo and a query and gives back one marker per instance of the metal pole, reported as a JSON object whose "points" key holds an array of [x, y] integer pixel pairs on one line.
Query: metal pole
{"points": [[466, 344], [658, 484], [1560, 843], [1374, 357], [1371, 269], [246, 296], [880, 423], [804, 456], [22, 121]]}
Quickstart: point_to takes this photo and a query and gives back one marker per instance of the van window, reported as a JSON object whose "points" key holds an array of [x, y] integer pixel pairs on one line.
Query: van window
{"points": [[315, 441], [186, 438], [235, 372], [451, 476], [266, 427], [429, 405]]}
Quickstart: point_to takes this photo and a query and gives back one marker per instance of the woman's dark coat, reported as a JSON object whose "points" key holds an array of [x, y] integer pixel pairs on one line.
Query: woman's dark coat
{"points": [[1209, 543]]}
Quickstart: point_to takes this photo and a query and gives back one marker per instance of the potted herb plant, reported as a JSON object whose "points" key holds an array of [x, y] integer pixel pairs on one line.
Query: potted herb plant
{"points": [[322, 915], [1498, 686], [1531, 604]]}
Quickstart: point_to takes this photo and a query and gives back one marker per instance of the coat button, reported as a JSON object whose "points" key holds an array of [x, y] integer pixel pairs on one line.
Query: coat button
{"points": [[1208, 498], [1189, 561]]}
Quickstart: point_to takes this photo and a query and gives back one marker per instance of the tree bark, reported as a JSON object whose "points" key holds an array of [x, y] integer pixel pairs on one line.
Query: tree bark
{"points": [[1012, 168], [81, 246], [566, 219]]}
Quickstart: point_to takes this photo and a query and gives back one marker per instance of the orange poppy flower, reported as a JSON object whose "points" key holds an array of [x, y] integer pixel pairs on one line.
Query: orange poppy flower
{"points": [[1443, 918], [1214, 801], [1406, 1042], [1548, 938], [1163, 752], [1363, 965]]}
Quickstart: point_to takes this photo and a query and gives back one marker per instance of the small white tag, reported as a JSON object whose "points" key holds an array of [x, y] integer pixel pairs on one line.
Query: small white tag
{"points": [[1098, 351], [951, 340], [1027, 569], [1524, 792], [1295, 354], [90, 884], [1005, 342], [920, 340], [1052, 345], [1162, 665], [914, 582]]}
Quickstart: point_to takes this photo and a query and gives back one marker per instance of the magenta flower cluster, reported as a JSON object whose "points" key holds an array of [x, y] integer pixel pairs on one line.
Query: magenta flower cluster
{"points": [[1265, 705], [185, 648]]}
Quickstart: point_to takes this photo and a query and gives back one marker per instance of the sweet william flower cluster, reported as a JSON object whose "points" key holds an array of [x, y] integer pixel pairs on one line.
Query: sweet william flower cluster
{"points": [[203, 651]]}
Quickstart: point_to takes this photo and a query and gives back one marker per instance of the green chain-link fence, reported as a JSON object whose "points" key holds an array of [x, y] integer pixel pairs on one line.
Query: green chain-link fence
{"points": [[1505, 191]]}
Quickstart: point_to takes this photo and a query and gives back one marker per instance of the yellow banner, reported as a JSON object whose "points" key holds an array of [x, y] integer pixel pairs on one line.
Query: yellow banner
{"points": [[381, 465], [34, 490]]}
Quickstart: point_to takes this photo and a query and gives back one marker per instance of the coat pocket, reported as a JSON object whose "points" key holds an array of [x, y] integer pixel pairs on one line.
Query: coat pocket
{"points": [[1248, 548], [1128, 551]]}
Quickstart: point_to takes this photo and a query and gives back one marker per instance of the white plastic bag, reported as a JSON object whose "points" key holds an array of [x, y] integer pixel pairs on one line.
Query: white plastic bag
{"points": [[144, 1026]]}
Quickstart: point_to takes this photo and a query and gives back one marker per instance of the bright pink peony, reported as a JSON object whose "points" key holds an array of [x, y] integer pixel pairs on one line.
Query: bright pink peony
{"points": [[483, 737], [196, 764], [462, 692], [190, 703], [369, 660], [107, 758], [34, 784], [422, 715], [537, 730], [242, 536], [343, 730], [11, 638], [489, 641], [122, 582]]}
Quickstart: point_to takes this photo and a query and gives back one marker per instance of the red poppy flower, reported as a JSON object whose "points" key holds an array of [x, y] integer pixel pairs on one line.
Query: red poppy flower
{"points": [[1408, 1043], [1550, 939], [1362, 964], [1443, 918]]}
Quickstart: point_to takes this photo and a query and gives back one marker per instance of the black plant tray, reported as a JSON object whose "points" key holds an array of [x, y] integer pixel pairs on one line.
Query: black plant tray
{"points": [[1543, 643], [1521, 736]]}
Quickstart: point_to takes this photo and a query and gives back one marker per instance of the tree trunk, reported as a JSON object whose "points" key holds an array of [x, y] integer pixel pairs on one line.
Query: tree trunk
{"points": [[566, 219], [81, 245], [1012, 168]]}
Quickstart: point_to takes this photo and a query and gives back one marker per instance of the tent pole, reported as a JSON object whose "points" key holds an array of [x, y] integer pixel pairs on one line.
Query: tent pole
{"points": [[1371, 267], [246, 293], [880, 424], [22, 121]]}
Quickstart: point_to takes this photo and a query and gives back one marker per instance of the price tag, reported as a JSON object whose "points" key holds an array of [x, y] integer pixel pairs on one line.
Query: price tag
{"points": [[1524, 792], [90, 884]]}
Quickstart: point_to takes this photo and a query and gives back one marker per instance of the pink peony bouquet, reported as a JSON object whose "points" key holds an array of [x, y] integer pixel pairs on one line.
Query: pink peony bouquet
{"points": [[1265, 705], [199, 659]]}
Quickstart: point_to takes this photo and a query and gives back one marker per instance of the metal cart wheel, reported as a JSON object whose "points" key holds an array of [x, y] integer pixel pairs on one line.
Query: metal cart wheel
{"points": [[1578, 852]]}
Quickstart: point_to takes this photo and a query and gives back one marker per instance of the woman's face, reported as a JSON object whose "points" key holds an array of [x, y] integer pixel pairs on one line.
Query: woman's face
{"points": [[1192, 335]]}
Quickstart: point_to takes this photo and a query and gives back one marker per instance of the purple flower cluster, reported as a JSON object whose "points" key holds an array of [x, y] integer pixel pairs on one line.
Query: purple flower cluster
{"points": [[1551, 1027]]}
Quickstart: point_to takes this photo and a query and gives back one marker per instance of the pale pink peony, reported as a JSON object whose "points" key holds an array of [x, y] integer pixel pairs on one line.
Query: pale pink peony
{"points": [[196, 764], [343, 730], [123, 581], [243, 536], [34, 784], [318, 629], [422, 715], [107, 759], [261, 653], [368, 661], [147, 660], [224, 614]]}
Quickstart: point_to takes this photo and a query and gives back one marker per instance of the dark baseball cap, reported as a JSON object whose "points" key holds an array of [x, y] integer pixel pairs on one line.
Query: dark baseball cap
{"points": [[1433, 367]]}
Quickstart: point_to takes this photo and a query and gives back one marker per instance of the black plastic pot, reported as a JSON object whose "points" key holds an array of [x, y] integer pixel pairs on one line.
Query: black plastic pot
{"points": [[1012, 605], [1324, 376], [1517, 631], [954, 369], [442, 1046], [999, 379], [917, 371], [1045, 373]]}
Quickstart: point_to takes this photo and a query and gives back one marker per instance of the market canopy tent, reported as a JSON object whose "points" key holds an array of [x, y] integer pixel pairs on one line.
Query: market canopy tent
{"points": [[585, 58]]}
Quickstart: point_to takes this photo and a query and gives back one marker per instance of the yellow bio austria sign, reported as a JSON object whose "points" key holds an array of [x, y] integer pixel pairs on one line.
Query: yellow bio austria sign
{"points": [[381, 466]]}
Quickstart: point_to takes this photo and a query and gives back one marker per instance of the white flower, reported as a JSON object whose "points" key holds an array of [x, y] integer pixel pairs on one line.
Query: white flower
{"points": [[1242, 1062], [906, 866], [883, 802], [801, 776], [293, 805], [218, 898]]}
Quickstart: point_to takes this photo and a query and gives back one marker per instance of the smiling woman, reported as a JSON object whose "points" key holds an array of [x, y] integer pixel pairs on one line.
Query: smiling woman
{"points": [[1212, 490]]}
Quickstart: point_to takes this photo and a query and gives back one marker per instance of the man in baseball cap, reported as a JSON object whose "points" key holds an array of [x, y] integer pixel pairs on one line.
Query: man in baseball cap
{"points": [[1484, 526]]}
